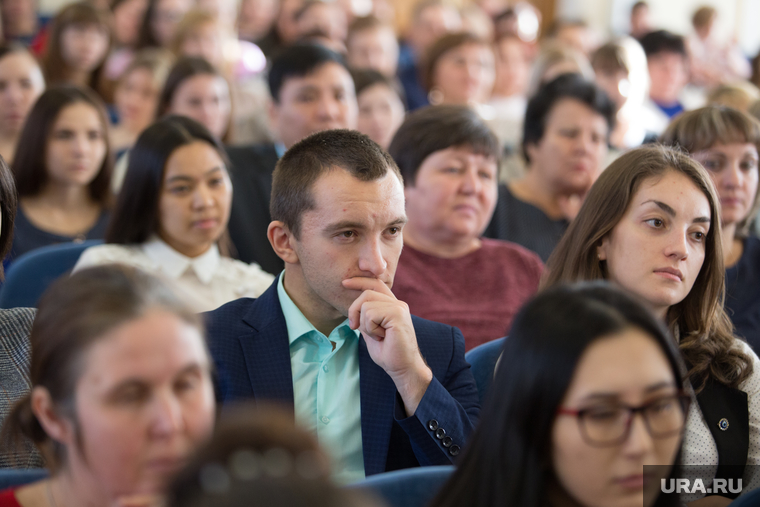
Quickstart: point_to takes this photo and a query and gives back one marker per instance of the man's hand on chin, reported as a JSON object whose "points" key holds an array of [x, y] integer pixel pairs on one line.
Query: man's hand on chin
{"points": [[386, 324]]}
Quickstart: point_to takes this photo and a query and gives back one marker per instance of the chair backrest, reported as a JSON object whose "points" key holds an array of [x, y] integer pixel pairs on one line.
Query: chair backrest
{"points": [[483, 360], [31, 273], [15, 477], [413, 487], [751, 499]]}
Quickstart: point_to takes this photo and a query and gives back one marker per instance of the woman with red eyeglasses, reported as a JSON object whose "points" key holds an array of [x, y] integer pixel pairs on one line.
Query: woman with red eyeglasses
{"points": [[588, 392]]}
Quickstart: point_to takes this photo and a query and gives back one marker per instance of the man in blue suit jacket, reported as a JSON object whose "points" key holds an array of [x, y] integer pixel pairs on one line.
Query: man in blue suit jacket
{"points": [[382, 390]]}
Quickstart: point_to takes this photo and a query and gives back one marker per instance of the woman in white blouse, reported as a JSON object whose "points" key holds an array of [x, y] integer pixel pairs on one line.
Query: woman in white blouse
{"points": [[172, 212], [651, 224]]}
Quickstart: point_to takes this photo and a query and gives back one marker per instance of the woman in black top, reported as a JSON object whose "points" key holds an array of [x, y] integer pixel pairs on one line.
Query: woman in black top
{"points": [[62, 169]]}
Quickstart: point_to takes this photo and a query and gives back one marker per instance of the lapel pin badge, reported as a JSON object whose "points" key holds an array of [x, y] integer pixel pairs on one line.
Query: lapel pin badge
{"points": [[723, 424]]}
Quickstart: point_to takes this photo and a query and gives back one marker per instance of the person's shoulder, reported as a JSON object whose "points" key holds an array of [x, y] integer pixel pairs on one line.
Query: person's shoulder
{"points": [[250, 153], [16, 323], [502, 250], [245, 275], [113, 254], [430, 330], [504, 247]]}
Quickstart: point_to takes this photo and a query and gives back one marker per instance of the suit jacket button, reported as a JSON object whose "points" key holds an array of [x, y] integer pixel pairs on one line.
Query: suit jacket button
{"points": [[432, 425], [447, 441], [440, 433], [454, 450]]}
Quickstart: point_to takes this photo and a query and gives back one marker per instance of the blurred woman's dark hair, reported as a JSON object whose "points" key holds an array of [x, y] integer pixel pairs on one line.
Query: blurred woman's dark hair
{"points": [[185, 68], [442, 46], [54, 65]]}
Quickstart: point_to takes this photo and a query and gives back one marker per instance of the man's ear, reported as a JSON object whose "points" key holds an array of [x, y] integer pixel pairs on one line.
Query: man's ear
{"points": [[530, 151], [58, 427], [282, 241]]}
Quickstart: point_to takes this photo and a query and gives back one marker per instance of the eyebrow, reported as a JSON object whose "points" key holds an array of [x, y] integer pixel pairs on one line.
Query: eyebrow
{"points": [[670, 211], [650, 389], [192, 368], [347, 224], [182, 177]]}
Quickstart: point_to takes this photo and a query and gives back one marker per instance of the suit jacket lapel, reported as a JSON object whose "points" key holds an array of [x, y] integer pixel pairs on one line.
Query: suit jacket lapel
{"points": [[267, 349], [378, 397]]}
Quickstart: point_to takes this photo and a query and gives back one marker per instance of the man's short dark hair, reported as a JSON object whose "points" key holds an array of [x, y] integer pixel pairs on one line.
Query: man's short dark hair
{"points": [[566, 86], [437, 128], [307, 160], [662, 41], [299, 60]]}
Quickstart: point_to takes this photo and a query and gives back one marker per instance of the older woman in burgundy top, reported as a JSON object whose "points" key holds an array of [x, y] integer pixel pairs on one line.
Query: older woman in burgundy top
{"points": [[447, 272]]}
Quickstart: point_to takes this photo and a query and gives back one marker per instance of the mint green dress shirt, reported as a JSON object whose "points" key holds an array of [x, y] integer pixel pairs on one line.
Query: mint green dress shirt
{"points": [[326, 389]]}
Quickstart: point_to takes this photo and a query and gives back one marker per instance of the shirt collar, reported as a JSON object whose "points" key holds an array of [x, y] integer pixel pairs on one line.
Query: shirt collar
{"points": [[173, 264], [297, 323], [280, 149]]}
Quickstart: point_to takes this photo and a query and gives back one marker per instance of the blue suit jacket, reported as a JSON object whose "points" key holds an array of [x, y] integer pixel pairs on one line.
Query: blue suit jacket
{"points": [[249, 342]]}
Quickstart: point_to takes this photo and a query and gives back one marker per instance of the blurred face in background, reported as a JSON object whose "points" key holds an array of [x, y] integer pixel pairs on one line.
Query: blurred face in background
{"points": [[376, 48], [126, 21], [326, 18], [381, 113], [453, 195], [322, 100], [431, 24], [733, 168], [195, 199], [512, 67], [206, 99], [143, 403], [19, 17], [465, 74], [668, 74], [569, 156], [76, 147], [204, 41], [21, 82], [287, 25], [136, 99], [166, 16], [256, 17], [84, 47]]}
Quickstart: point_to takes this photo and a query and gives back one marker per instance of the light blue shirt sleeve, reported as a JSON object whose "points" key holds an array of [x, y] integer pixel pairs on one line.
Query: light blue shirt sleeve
{"points": [[326, 387]]}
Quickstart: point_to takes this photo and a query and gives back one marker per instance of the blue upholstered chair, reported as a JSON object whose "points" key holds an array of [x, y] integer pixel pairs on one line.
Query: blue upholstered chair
{"points": [[483, 359], [413, 487], [30, 274], [14, 477]]}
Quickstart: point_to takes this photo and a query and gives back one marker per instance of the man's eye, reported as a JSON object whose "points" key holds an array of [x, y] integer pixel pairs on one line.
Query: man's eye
{"points": [[394, 230], [348, 234]]}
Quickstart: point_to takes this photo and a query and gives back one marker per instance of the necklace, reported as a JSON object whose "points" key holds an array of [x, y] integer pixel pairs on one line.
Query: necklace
{"points": [[49, 490]]}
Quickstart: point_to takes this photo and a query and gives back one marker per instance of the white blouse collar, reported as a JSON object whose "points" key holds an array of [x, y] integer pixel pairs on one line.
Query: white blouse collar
{"points": [[173, 264]]}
